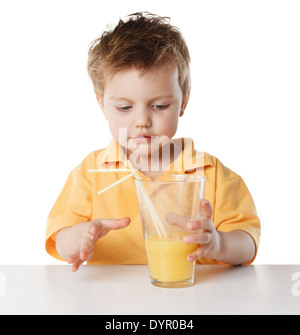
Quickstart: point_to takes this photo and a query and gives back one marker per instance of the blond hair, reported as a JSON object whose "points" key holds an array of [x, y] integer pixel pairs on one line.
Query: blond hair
{"points": [[144, 41]]}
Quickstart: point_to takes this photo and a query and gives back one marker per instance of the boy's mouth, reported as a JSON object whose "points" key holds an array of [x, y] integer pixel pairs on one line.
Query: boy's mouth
{"points": [[141, 138]]}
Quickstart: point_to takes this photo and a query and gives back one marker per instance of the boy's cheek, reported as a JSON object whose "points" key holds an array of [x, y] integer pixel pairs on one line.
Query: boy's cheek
{"points": [[122, 137]]}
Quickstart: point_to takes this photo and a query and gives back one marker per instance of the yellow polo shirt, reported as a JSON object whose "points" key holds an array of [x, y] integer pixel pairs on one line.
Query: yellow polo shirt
{"points": [[79, 201]]}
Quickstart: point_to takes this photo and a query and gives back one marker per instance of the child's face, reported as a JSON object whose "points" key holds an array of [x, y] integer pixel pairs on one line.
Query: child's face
{"points": [[143, 111]]}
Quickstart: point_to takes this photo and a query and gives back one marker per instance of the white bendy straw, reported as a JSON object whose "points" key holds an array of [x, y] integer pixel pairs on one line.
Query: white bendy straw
{"points": [[159, 225], [118, 182]]}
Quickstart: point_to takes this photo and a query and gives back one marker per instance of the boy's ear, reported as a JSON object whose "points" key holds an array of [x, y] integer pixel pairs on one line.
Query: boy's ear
{"points": [[101, 104], [184, 103]]}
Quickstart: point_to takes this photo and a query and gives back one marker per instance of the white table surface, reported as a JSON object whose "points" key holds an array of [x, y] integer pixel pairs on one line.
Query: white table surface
{"points": [[126, 289]]}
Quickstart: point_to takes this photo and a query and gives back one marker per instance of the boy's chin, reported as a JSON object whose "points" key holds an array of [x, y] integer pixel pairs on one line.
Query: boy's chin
{"points": [[143, 149]]}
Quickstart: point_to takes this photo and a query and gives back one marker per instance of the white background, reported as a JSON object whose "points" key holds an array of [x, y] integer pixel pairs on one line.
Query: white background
{"points": [[244, 107]]}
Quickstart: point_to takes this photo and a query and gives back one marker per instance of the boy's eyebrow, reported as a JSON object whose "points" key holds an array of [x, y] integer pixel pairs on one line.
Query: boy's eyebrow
{"points": [[170, 96], [118, 98], [167, 96]]}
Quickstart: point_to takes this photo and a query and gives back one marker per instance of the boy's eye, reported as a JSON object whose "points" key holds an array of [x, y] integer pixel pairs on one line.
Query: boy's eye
{"points": [[128, 108], [124, 108], [160, 107]]}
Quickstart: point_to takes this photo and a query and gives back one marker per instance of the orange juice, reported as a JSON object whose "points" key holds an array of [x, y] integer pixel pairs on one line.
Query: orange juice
{"points": [[167, 260]]}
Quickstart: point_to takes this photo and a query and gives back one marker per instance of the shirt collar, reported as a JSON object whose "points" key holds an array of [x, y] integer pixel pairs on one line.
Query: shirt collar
{"points": [[189, 159], [114, 157]]}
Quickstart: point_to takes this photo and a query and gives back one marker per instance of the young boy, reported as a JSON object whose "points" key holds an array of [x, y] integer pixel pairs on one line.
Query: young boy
{"points": [[141, 77]]}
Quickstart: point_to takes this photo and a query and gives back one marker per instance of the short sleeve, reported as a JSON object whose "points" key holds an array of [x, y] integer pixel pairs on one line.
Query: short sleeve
{"points": [[74, 205], [235, 210]]}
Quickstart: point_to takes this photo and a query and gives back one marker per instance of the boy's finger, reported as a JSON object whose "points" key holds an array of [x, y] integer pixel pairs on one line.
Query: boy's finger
{"points": [[203, 224], [202, 238], [76, 266], [72, 259], [75, 261], [120, 223], [177, 220], [84, 254], [206, 209], [111, 224], [200, 252]]}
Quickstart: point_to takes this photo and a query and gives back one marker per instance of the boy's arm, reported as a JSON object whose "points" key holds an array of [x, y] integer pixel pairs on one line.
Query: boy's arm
{"points": [[237, 247]]}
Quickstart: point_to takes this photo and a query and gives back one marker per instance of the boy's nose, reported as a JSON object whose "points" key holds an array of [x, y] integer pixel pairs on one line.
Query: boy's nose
{"points": [[143, 119]]}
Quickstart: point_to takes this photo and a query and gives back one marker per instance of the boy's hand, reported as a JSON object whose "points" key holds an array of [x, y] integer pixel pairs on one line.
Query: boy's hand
{"points": [[204, 233], [76, 244]]}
